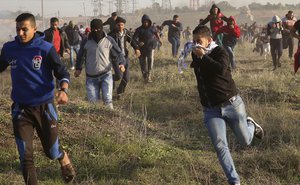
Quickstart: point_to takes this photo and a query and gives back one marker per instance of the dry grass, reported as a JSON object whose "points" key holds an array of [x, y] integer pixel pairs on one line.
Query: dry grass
{"points": [[156, 135]]}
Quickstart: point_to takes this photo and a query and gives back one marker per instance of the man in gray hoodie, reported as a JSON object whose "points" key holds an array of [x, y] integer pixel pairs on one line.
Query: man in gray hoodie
{"points": [[96, 52]]}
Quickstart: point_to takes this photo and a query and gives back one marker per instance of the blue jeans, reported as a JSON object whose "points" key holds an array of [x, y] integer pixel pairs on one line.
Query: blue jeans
{"points": [[72, 50], [234, 115], [229, 50], [175, 45], [103, 82]]}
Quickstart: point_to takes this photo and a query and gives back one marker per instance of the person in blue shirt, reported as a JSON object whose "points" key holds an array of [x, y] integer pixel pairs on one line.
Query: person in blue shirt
{"points": [[33, 61]]}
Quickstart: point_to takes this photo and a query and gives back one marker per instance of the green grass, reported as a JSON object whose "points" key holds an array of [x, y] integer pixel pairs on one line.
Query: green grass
{"points": [[156, 134]]}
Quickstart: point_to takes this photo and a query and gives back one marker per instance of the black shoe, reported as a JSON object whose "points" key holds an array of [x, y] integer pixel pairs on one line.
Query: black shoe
{"points": [[258, 131], [279, 64]]}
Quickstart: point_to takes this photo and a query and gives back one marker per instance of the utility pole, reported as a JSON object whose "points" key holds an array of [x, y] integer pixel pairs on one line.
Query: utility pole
{"points": [[86, 24], [43, 25], [194, 4], [133, 5], [166, 4]]}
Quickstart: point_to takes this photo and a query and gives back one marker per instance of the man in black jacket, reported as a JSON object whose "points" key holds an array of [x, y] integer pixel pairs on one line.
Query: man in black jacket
{"points": [[74, 41], [57, 37], [220, 100], [111, 21], [174, 32], [147, 37], [122, 36]]}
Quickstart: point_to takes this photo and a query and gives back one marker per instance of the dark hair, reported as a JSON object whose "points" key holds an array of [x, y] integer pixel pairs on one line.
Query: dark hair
{"points": [[290, 12], [26, 17], [53, 20], [114, 14], [175, 16], [202, 30], [96, 24]]}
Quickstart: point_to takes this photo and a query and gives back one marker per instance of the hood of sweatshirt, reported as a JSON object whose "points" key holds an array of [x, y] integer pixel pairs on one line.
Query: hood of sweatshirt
{"points": [[146, 17], [276, 19], [212, 8]]}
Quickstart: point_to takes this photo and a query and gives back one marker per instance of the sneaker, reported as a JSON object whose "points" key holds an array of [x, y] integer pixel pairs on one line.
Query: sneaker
{"points": [[258, 131], [72, 68]]}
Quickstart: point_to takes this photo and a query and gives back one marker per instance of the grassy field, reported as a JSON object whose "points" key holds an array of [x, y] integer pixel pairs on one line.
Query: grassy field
{"points": [[156, 136]]}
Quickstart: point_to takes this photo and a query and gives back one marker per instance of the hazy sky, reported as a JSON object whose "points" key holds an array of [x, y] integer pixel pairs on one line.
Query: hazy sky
{"points": [[75, 7]]}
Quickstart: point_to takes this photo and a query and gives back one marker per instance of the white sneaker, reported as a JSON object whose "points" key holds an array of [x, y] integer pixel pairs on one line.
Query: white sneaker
{"points": [[258, 131]]}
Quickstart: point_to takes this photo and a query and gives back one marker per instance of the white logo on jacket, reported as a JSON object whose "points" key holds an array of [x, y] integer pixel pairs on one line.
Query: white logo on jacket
{"points": [[37, 62]]}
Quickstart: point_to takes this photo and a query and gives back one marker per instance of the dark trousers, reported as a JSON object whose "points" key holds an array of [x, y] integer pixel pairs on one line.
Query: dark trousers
{"points": [[276, 51], [146, 61], [124, 79], [288, 42], [44, 119]]}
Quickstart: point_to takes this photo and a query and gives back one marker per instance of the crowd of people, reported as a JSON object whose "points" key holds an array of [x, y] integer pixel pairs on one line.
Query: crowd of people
{"points": [[34, 57]]}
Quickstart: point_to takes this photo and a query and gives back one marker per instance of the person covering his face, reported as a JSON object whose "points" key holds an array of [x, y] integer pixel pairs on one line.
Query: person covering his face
{"points": [[97, 30]]}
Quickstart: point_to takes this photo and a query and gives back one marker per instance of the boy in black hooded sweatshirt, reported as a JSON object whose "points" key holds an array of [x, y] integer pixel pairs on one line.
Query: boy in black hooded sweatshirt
{"points": [[146, 36]]}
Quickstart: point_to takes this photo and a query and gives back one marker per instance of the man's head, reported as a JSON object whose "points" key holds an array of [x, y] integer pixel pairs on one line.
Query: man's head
{"points": [[202, 35], [25, 27], [54, 23], [146, 23], [175, 18], [290, 15], [96, 25], [71, 24], [120, 24], [96, 29], [114, 15]]}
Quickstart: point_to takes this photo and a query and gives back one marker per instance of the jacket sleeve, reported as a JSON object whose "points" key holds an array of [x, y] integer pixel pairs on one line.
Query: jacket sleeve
{"points": [[132, 41], [116, 52], [3, 63], [80, 59], [218, 65], [66, 40], [59, 68], [237, 32], [224, 18], [180, 28], [205, 20]]}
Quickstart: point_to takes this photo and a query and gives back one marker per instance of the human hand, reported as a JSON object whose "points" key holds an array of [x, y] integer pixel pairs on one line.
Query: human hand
{"points": [[77, 73], [137, 53], [61, 97], [199, 51], [122, 68], [160, 43], [141, 44], [174, 25]]}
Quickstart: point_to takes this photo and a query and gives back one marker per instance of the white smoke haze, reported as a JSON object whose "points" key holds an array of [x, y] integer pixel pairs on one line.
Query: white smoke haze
{"points": [[73, 8]]}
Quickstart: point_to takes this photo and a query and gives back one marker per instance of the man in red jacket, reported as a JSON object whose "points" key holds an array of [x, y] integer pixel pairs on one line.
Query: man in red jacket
{"points": [[215, 19], [231, 32]]}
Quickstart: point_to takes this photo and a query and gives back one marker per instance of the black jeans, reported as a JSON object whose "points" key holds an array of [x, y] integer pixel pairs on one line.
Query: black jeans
{"points": [[44, 119], [146, 61], [276, 51], [288, 42]]}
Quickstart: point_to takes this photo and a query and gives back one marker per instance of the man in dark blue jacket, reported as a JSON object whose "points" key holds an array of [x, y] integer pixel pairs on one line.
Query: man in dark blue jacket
{"points": [[33, 61], [146, 37], [174, 32]]}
